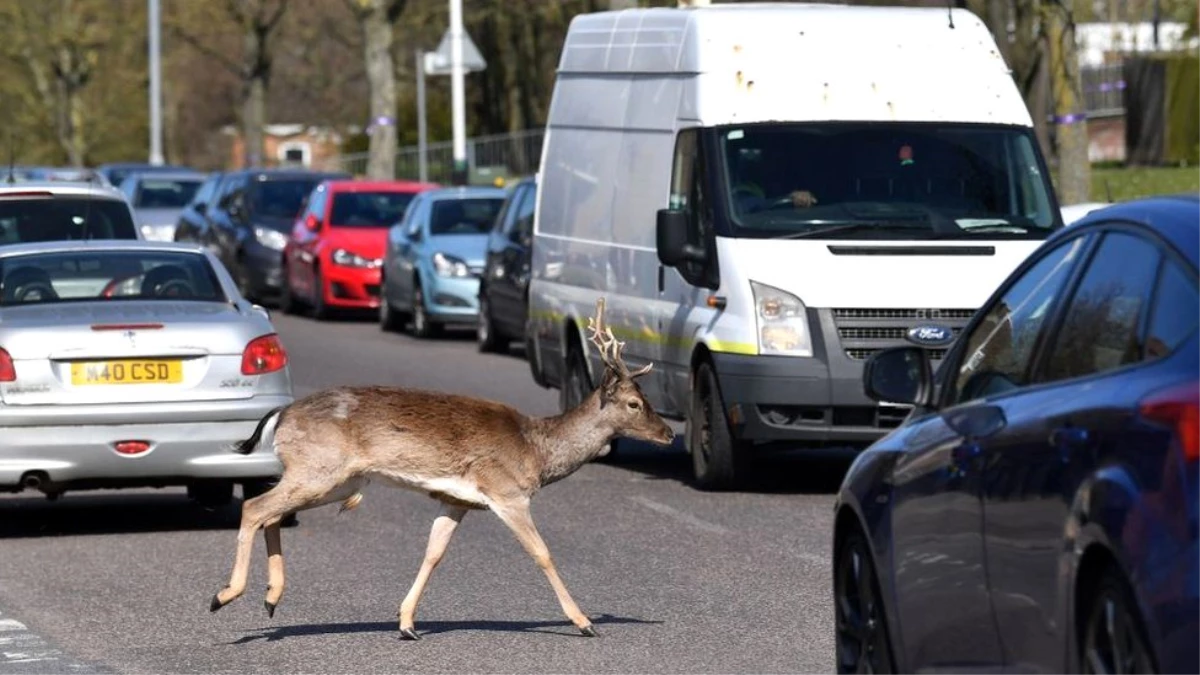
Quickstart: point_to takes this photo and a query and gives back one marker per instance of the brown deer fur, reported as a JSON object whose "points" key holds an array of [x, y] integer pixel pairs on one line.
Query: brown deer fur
{"points": [[467, 453]]}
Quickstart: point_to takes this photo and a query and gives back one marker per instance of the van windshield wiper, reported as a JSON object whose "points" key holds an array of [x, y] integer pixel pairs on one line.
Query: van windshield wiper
{"points": [[857, 226]]}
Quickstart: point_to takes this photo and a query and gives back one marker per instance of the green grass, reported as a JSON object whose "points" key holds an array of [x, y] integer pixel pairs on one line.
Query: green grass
{"points": [[1139, 181]]}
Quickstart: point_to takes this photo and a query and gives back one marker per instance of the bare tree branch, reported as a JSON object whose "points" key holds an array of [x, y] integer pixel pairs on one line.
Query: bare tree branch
{"points": [[194, 42]]}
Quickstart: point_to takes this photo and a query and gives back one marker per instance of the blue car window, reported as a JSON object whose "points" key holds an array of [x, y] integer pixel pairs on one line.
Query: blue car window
{"points": [[1100, 326], [999, 348], [1174, 318]]}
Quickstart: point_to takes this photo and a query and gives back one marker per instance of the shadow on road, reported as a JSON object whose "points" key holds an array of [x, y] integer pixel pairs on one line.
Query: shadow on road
{"points": [[811, 471], [110, 513], [561, 627]]}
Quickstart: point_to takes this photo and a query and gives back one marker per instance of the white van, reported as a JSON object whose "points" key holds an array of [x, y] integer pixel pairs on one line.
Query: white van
{"points": [[768, 194]]}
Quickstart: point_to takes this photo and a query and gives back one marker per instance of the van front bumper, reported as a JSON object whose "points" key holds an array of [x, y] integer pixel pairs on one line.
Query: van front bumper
{"points": [[801, 400]]}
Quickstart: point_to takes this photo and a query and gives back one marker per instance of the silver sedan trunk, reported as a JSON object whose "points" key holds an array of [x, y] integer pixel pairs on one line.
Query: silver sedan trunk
{"points": [[131, 363]]}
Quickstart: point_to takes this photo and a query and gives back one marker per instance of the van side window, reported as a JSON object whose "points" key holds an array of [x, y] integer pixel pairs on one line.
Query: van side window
{"points": [[683, 171], [687, 194]]}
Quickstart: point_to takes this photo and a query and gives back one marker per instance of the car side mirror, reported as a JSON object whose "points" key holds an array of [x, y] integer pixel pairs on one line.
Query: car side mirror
{"points": [[311, 223], [671, 239], [899, 375]]}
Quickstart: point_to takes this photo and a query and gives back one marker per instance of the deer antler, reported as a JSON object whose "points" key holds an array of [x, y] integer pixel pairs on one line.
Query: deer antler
{"points": [[609, 346]]}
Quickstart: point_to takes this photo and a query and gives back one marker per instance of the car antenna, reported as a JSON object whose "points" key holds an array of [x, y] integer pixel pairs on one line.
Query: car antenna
{"points": [[1107, 191], [950, 12]]}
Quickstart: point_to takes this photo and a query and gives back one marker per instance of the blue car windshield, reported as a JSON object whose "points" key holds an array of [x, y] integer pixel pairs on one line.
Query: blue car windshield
{"points": [[464, 216]]}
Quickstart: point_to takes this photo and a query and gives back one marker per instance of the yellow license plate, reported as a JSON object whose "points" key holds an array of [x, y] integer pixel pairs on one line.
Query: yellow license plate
{"points": [[127, 372]]}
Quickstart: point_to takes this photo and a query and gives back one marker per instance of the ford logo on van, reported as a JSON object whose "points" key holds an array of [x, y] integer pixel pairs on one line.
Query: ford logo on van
{"points": [[930, 335]]}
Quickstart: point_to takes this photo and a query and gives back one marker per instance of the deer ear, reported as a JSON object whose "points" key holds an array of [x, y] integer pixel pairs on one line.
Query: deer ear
{"points": [[608, 387]]}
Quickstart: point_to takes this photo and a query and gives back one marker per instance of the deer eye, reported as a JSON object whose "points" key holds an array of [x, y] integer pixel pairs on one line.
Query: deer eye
{"points": [[634, 405]]}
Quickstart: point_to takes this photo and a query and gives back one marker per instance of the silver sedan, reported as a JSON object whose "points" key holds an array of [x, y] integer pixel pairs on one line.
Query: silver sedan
{"points": [[132, 363]]}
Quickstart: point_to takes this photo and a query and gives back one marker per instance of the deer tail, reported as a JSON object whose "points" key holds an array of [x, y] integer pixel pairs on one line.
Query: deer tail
{"points": [[264, 433]]}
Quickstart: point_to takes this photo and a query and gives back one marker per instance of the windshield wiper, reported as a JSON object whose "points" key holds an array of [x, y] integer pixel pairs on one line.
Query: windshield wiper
{"points": [[882, 227]]}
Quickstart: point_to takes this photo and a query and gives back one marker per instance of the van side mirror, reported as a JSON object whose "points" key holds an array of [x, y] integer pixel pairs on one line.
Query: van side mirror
{"points": [[899, 375], [671, 239]]}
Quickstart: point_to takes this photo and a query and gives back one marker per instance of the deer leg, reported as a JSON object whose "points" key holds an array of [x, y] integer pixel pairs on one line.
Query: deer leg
{"points": [[519, 520], [439, 538], [274, 566], [289, 496]]}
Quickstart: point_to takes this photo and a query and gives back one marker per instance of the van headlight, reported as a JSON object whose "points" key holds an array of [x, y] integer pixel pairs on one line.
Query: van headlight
{"points": [[449, 266], [782, 322]]}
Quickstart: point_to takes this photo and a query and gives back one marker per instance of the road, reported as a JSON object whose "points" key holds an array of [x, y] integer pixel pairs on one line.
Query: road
{"points": [[676, 580]]}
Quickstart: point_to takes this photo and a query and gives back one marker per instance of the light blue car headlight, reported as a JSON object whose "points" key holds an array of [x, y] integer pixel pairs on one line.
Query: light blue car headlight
{"points": [[449, 266]]}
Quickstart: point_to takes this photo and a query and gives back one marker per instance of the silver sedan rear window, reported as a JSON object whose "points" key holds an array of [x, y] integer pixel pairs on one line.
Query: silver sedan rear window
{"points": [[115, 276]]}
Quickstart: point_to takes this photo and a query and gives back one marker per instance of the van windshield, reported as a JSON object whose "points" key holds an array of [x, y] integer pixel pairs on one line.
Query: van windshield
{"points": [[885, 181]]}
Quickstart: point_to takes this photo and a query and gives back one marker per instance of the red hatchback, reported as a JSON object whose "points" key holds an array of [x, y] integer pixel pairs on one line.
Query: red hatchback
{"points": [[332, 258]]}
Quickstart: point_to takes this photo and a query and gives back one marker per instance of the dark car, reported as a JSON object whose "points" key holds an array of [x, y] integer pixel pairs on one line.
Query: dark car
{"points": [[1037, 509], [116, 173], [193, 220], [248, 229], [504, 285]]}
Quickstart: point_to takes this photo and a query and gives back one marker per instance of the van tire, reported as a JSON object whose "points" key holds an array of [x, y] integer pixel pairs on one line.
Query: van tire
{"points": [[716, 454], [576, 386]]}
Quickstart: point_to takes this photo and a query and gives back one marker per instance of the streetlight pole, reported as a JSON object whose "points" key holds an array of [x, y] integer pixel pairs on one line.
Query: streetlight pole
{"points": [[156, 151], [458, 105], [422, 148]]}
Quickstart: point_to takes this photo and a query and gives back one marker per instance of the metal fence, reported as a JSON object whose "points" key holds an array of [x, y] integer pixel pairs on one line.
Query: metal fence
{"points": [[502, 156]]}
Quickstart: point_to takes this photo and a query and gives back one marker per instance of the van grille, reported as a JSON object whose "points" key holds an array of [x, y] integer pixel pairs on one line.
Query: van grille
{"points": [[863, 332]]}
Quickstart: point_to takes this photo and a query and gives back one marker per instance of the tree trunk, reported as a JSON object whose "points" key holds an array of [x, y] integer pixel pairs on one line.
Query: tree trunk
{"points": [[254, 112], [77, 139], [1070, 120], [381, 78]]}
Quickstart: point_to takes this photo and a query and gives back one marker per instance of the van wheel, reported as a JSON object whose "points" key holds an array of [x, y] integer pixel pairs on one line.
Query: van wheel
{"points": [[716, 455], [576, 386]]}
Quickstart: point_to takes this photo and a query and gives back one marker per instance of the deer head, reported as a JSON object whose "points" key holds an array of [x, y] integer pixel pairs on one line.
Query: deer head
{"points": [[621, 401]]}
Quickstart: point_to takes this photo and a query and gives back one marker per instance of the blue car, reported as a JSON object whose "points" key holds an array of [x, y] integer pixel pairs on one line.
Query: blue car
{"points": [[434, 257], [1037, 509]]}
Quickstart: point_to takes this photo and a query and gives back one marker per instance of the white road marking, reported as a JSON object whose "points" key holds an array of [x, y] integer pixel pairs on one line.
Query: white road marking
{"points": [[20, 647], [681, 516]]}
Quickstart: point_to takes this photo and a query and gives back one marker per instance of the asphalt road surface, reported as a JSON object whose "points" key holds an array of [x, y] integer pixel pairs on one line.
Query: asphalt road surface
{"points": [[675, 580]]}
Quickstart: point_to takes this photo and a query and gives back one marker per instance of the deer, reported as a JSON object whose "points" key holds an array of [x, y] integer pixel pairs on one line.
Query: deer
{"points": [[468, 453]]}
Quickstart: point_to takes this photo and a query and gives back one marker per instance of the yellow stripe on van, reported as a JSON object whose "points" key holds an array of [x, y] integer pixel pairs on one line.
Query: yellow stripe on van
{"points": [[647, 335]]}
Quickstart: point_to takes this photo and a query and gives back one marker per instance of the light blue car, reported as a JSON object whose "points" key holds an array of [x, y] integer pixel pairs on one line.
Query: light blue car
{"points": [[434, 257]]}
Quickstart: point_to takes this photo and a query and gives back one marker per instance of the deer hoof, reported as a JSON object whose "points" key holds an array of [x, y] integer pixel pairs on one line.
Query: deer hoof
{"points": [[409, 634], [216, 603], [270, 608], [589, 631]]}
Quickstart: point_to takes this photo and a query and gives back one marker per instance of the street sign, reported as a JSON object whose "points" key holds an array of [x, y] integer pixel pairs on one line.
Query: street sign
{"points": [[438, 62]]}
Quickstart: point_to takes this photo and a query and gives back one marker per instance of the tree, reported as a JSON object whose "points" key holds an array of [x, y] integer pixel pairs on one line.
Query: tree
{"points": [[58, 44], [257, 21], [377, 19], [1070, 118]]}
